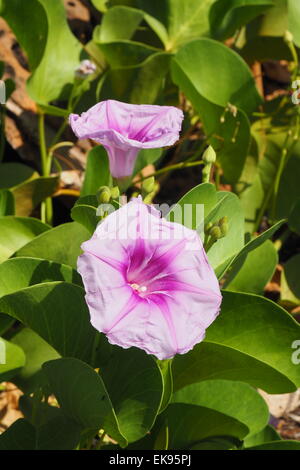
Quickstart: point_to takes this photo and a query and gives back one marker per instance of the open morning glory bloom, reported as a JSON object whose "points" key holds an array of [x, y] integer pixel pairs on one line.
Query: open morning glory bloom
{"points": [[124, 129], [148, 282]]}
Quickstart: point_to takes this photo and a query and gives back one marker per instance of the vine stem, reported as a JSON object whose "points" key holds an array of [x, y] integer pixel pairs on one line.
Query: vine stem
{"points": [[177, 166], [46, 206]]}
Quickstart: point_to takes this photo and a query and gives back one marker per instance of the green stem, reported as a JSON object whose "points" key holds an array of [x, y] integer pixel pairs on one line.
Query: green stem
{"points": [[206, 173], [177, 166], [46, 206]]}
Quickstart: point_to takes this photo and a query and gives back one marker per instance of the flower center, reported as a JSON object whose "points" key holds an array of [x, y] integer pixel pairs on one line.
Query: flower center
{"points": [[138, 288]]}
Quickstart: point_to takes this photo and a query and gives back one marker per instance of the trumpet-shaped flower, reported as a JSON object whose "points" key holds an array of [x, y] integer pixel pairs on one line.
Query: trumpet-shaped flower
{"points": [[124, 129], [148, 282]]}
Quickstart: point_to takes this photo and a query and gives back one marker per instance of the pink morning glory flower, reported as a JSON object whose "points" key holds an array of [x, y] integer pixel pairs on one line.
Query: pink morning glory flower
{"points": [[148, 282], [124, 129]]}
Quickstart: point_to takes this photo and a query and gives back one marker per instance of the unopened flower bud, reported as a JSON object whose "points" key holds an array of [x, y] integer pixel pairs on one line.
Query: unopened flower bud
{"points": [[148, 184], [104, 194], [288, 37], [209, 156], [215, 232], [115, 192], [208, 227]]}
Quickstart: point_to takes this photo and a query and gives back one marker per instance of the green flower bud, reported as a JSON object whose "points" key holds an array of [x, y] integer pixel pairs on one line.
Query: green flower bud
{"points": [[288, 37], [208, 227], [215, 233], [115, 192], [104, 194], [209, 156], [148, 184], [223, 224]]}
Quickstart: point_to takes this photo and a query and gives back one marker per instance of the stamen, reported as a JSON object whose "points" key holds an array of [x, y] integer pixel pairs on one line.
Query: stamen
{"points": [[138, 288]]}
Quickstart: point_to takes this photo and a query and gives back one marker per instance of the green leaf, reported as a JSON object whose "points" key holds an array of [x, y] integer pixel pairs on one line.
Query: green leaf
{"points": [[290, 289], [253, 271], [57, 312], [139, 84], [12, 359], [13, 174], [189, 424], [53, 246], [7, 203], [32, 13], [221, 253], [135, 390], [216, 205], [82, 396], [211, 361], [125, 53], [293, 20], [268, 434], [86, 216], [224, 396], [269, 329], [253, 244], [20, 435], [120, 22], [97, 171], [278, 445], [183, 21], [166, 370], [250, 341], [15, 232], [37, 351], [203, 61], [195, 69], [54, 430], [18, 273], [30, 194], [226, 17]]}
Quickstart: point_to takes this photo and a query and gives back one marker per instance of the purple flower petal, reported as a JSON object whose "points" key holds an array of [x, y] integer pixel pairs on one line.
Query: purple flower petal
{"points": [[123, 129], [148, 282]]}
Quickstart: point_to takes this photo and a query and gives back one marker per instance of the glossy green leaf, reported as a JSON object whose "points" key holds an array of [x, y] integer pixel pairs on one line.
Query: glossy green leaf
{"points": [[18, 273], [203, 62], [82, 395], [262, 360], [12, 359], [21, 435], [268, 434], [57, 312], [224, 396], [37, 351], [30, 194], [15, 232], [97, 171], [7, 203], [270, 330], [290, 288], [139, 84], [135, 390], [189, 424], [182, 21], [228, 16], [13, 174], [61, 244], [31, 12], [278, 445], [253, 272], [120, 22]]}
